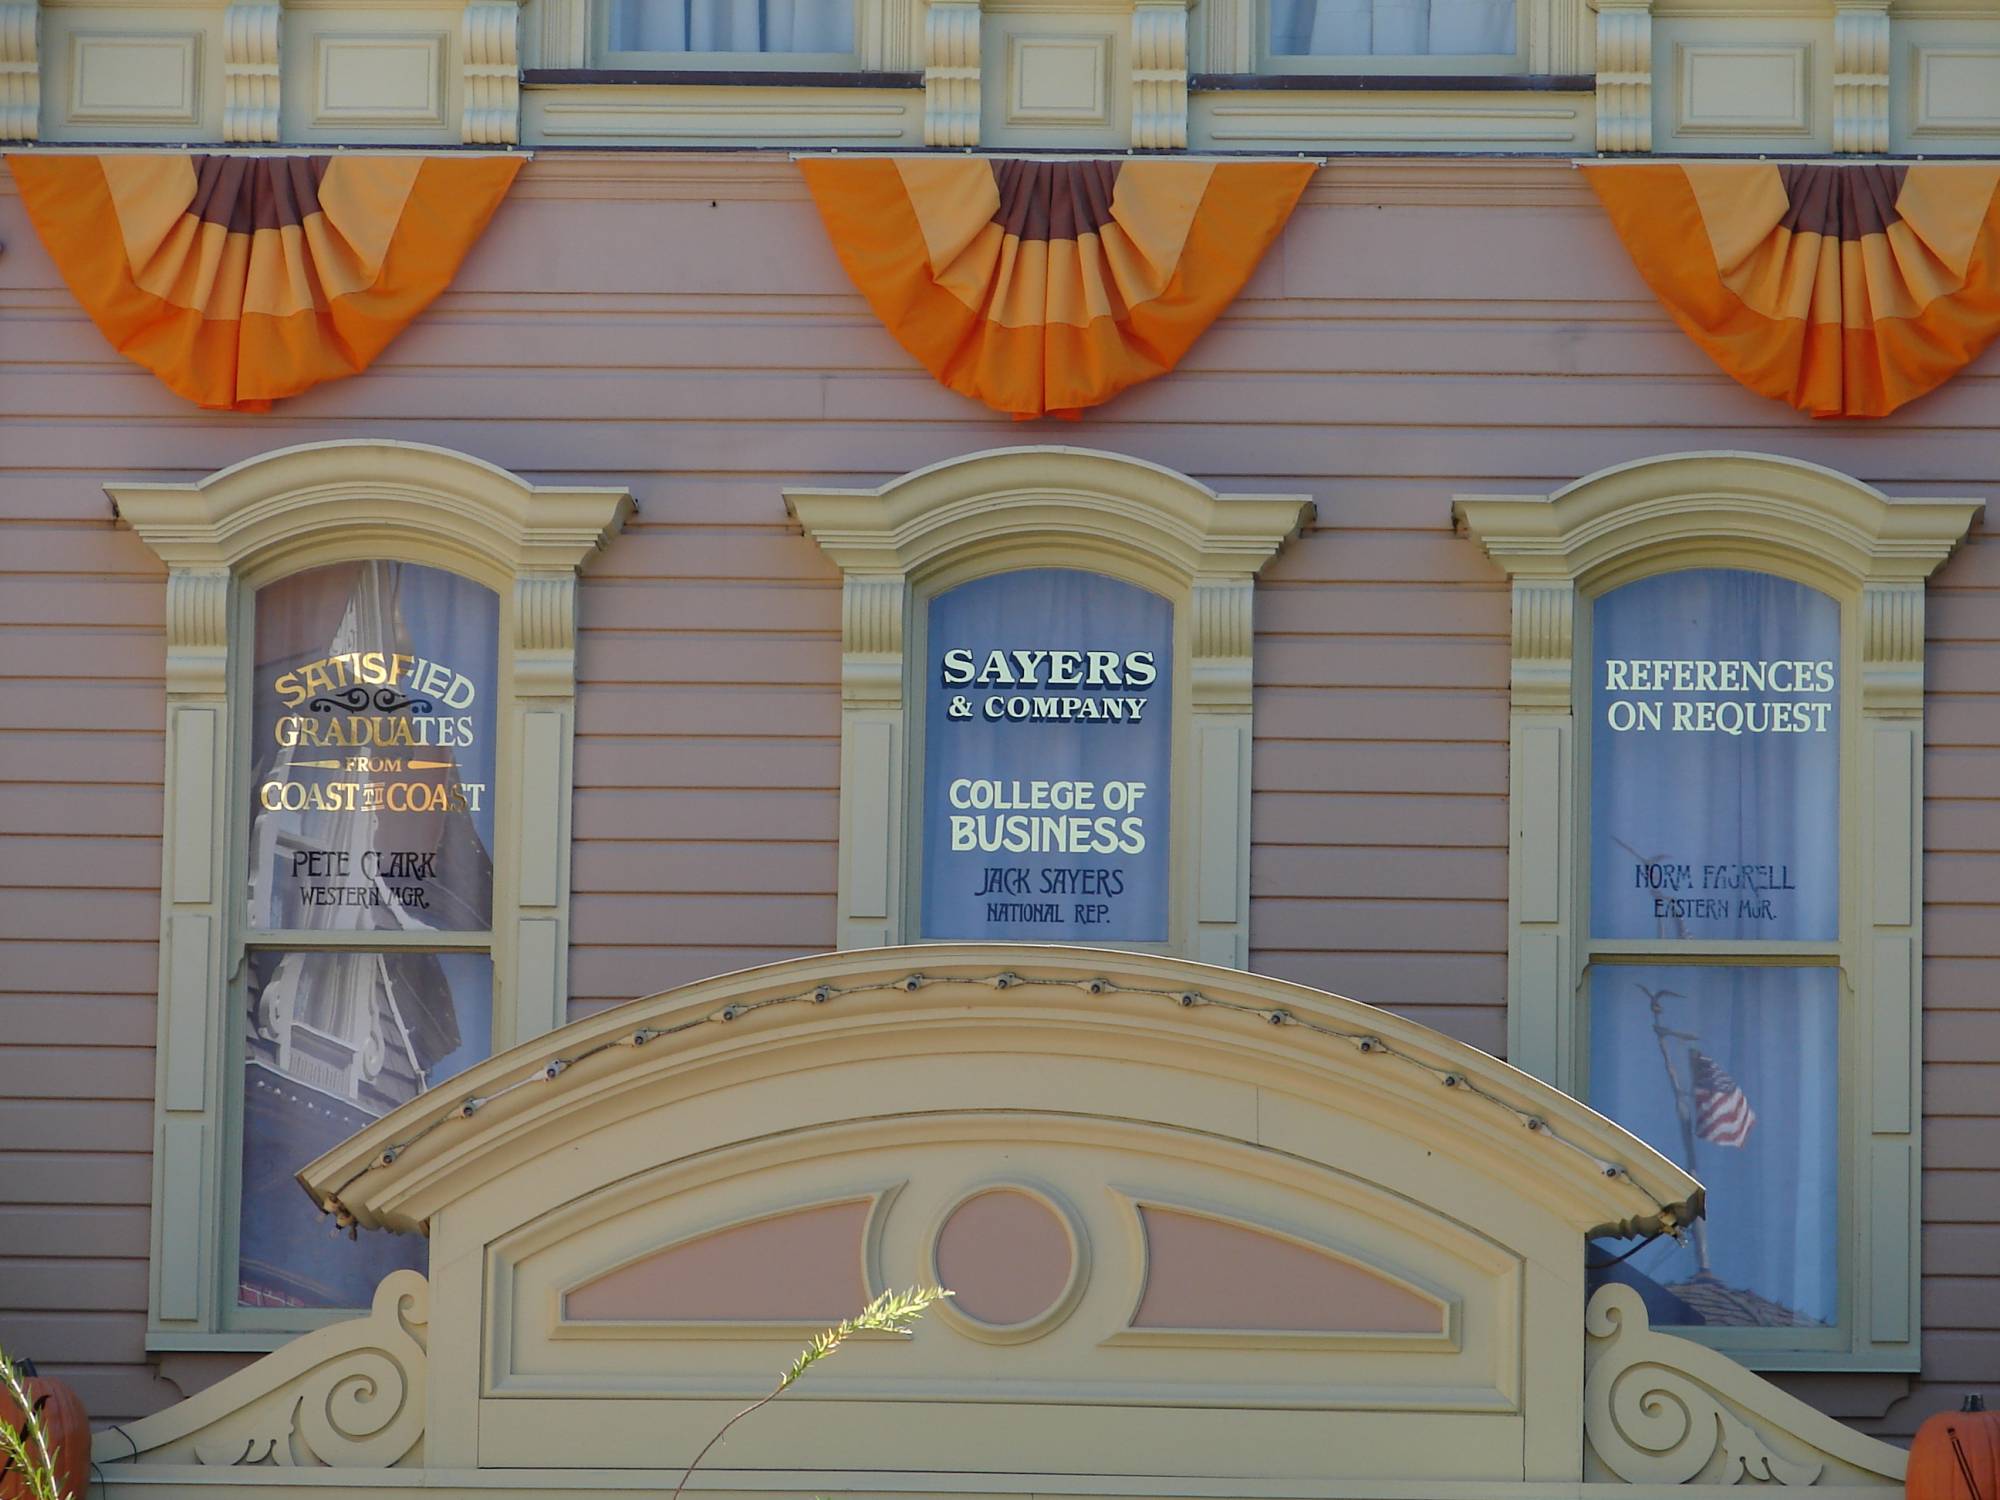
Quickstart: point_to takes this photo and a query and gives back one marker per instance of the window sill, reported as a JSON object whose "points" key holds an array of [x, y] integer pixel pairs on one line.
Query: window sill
{"points": [[722, 78], [1400, 83]]}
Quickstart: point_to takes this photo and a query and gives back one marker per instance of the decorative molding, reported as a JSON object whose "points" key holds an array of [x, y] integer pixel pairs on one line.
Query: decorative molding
{"points": [[1659, 1409], [351, 1395], [951, 73], [1624, 75], [230, 533], [906, 1006], [1048, 507], [489, 40], [1160, 75], [365, 80], [1954, 91], [1544, 624], [1740, 89], [250, 70], [1892, 648], [20, 72], [1861, 55], [135, 78]]}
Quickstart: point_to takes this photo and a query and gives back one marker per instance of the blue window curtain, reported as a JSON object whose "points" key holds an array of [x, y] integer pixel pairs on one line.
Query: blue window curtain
{"points": [[1734, 1073], [733, 26], [1385, 28]]}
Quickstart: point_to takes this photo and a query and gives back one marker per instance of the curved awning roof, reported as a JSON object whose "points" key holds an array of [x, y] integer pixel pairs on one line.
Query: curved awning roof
{"points": [[942, 999]]}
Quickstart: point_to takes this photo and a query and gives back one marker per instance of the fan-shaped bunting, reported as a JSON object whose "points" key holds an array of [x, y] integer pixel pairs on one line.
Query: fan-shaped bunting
{"points": [[1048, 286], [1846, 291], [240, 279]]}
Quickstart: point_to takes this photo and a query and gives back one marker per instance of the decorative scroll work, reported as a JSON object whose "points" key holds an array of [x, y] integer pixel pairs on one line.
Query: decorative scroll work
{"points": [[1845, 291], [349, 1396], [1658, 1409], [1044, 287], [239, 279], [951, 73]]}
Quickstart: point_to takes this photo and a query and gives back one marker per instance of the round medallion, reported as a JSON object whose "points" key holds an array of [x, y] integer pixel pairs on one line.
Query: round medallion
{"points": [[1014, 1260]]}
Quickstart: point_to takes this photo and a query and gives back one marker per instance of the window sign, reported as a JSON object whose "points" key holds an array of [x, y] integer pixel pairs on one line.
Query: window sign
{"points": [[1734, 1073], [372, 746], [1048, 748], [373, 726], [1715, 745]]}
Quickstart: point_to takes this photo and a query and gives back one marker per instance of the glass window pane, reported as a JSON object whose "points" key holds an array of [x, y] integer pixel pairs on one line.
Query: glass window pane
{"points": [[332, 1042], [733, 26], [1383, 28], [1715, 759], [373, 730], [1734, 1073], [1048, 759]]}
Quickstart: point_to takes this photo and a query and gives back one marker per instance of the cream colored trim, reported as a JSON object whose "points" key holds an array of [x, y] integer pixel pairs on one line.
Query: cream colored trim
{"points": [[1048, 507], [1624, 75], [1872, 554], [490, 59], [1861, 54], [1054, 1314], [349, 1396], [907, 1003], [250, 70], [1661, 1410], [221, 539], [951, 73], [20, 72]]}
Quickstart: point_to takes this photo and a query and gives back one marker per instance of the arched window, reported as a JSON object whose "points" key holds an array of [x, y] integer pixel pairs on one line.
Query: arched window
{"points": [[1715, 895], [370, 692], [1045, 695]]}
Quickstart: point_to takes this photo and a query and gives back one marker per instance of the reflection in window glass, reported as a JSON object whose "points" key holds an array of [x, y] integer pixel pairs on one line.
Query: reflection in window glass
{"points": [[332, 1042], [1381, 28], [1734, 1074], [733, 26], [373, 733], [1715, 759]]}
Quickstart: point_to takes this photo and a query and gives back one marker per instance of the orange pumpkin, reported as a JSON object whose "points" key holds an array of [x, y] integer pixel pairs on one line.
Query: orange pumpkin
{"points": [[65, 1425], [1956, 1455]]}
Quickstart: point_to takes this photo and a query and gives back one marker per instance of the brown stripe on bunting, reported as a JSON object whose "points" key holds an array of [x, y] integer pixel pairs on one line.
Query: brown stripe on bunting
{"points": [[1843, 202], [247, 193], [1054, 200]]}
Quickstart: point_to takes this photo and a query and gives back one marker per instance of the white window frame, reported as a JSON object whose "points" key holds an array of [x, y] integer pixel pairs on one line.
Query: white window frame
{"points": [[221, 538], [1872, 555], [1013, 508], [1549, 37], [888, 38]]}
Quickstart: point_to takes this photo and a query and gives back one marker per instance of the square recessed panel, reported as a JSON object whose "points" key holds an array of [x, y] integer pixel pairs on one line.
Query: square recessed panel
{"points": [[380, 80], [1059, 80], [1957, 91], [134, 79], [1744, 90]]}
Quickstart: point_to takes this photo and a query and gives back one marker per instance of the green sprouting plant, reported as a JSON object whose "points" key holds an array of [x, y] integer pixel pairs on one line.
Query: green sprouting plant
{"points": [[25, 1450], [892, 1312]]}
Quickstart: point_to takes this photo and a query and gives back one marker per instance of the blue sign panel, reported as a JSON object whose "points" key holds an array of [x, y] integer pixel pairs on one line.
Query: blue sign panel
{"points": [[1048, 754]]}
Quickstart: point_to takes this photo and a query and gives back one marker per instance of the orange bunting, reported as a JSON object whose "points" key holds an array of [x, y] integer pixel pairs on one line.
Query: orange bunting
{"points": [[241, 279], [1044, 287], [1845, 291]]}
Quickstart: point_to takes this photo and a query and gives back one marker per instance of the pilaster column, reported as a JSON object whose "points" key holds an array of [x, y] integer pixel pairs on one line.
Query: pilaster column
{"points": [[1624, 75], [951, 73], [20, 72], [1861, 76], [250, 71], [1160, 75], [490, 41]]}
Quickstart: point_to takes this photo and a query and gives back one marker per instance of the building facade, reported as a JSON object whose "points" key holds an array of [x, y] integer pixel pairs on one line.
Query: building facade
{"points": [[1471, 507]]}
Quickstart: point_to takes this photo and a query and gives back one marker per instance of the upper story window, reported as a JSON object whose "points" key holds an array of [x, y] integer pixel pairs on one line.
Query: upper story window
{"points": [[1715, 891], [365, 878], [1714, 702], [740, 33], [1391, 28], [1045, 701]]}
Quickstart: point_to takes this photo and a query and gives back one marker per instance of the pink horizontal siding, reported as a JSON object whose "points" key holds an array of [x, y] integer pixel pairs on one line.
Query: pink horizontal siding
{"points": [[1421, 329]]}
